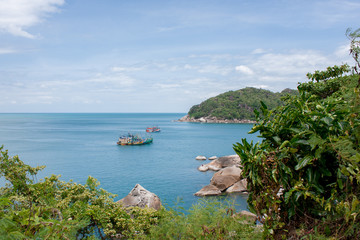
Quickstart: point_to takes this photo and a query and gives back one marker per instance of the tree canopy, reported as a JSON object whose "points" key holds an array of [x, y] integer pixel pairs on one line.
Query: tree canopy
{"points": [[238, 104]]}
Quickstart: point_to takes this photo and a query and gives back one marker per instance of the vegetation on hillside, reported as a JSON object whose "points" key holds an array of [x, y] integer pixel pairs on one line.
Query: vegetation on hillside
{"points": [[238, 104], [304, 177]]}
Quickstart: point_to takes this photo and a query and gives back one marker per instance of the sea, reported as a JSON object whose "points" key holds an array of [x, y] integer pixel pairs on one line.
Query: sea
{"points": [[78, 145]]}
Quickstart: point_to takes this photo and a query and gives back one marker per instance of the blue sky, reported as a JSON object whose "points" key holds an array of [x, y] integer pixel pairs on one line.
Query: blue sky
{"points": [[161, 56]]}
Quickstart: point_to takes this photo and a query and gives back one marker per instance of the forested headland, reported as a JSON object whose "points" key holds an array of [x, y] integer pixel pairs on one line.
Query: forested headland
{"points": [[238, 104]]}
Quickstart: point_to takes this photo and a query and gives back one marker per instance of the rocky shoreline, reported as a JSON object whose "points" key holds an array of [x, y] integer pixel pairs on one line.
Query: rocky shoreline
{"points": [[187, 118], [227, 176]]}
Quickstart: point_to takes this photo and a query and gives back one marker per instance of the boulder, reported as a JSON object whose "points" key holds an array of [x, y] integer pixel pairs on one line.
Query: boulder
{"points": [[213, 157], [214, 165], [222, 162], [240, 186], [203, 168], [141, 197], [226, 177], [229, 171], [209, 190], [223, 182], [200, 158], [229, 161]]}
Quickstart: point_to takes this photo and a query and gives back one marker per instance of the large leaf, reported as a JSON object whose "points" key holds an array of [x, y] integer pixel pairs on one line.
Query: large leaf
{"points": [[303, 162]]}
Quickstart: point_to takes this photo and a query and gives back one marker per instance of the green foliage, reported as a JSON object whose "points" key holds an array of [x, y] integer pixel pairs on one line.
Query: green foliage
{"points": [[238, 104], [209, 219], [307, 168], [53, 209], [331, 72]]}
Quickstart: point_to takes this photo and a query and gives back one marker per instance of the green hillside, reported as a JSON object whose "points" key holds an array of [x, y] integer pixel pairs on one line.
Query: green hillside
{"points": [[238, 104]]}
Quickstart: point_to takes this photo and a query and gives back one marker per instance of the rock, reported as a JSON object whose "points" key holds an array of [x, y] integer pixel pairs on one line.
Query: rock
{"points": [[209, 190], [203, 168], [214, 165], [222, 162], [185, 119], [200, 158], [223, 182], [202, 120], [229, 171], [228, 161], [226, 177], [240, 186], [213, 157], [247, 216], [141, 197]]}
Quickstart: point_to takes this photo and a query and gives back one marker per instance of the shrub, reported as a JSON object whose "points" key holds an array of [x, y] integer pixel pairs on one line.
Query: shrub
{"points": [[306, 169]]}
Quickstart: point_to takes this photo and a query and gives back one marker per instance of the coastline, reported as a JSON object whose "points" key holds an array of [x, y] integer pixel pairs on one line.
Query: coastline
{"points": [[187, 118]]}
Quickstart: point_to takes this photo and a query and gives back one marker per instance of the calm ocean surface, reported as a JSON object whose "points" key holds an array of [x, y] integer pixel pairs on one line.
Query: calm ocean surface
{"points": [[78, 145]]}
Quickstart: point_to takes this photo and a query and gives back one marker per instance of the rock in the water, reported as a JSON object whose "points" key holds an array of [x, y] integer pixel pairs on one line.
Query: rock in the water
{"points": [[222, 162], [209, 190], [240, 186], [226, 177], [200, 158], [213, 157], [229, 171], [141, 197], [223, 182], [214, 165], [203, 168], [229, 161]]}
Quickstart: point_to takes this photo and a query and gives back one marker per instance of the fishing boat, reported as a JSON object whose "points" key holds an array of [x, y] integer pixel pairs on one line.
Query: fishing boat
{"points": [[131, 139], [153, 129]]}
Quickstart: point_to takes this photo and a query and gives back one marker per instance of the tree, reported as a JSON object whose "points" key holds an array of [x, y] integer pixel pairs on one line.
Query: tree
{"points": [[354, 37], [305, 174]]}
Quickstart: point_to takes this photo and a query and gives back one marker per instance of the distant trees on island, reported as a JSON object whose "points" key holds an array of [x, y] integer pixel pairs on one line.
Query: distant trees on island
{"points": [[238, 104]]}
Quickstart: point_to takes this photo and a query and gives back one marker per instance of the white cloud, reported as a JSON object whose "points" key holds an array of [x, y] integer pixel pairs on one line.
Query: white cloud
{"points": [[343, 51], [244, 69], [295, 62], [262, 86], [258, 51], [126, 69], [15, 15], [6, 50], [167, 86]]}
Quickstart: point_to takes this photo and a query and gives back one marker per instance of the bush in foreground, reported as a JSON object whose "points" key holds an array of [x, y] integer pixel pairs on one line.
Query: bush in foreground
{"points": [[304, 178]]}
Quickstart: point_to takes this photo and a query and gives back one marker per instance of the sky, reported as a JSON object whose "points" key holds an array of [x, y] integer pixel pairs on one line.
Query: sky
{"points": [[162, 55]]}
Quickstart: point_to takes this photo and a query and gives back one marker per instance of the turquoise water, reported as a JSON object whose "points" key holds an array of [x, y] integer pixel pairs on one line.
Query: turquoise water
{"points": [[78, 145]]}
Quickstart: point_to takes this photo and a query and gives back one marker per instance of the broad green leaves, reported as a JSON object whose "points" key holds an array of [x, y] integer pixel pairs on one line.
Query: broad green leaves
{"points": [[310, 150]]}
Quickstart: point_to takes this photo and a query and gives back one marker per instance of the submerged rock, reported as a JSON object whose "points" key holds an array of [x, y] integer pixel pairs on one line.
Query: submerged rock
{"points": [[140, 197]]}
